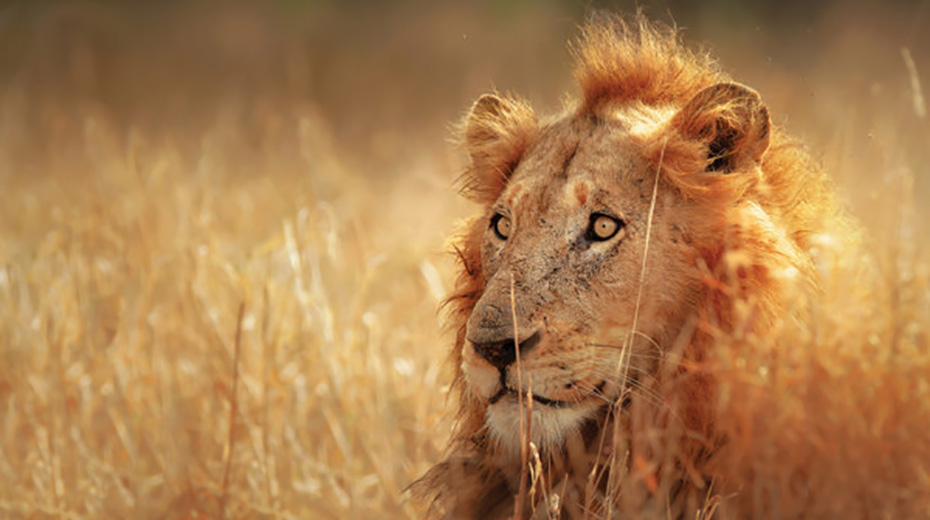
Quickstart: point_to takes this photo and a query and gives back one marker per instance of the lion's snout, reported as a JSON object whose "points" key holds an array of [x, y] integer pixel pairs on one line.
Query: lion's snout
{"points": [[502, 354]]}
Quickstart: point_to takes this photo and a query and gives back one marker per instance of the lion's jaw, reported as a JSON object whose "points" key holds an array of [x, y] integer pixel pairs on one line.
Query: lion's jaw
{"points": [[548, 426]]}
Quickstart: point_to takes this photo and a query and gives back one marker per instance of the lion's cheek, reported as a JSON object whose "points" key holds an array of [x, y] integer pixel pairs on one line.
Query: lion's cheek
{"points": [[481, 377]]}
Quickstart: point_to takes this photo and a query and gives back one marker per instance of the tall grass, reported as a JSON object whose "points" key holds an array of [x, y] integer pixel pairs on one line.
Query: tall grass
{"points": [[124, 269], [219, 298]]}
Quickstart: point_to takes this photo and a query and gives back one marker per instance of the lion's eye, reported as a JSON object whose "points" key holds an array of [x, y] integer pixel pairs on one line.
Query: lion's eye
{"points": [[501, 226], [603, 227]]}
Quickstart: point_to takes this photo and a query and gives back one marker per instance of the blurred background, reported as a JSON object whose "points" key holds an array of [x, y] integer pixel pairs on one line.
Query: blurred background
{"points": [[222, 224], [383, 80]]}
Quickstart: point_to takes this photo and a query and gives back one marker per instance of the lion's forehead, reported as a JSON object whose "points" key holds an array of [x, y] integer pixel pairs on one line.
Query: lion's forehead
{"points": [[574, 164]]}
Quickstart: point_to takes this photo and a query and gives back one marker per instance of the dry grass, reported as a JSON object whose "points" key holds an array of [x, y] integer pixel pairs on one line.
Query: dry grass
{"points": [[121, 281], [133, 232]]}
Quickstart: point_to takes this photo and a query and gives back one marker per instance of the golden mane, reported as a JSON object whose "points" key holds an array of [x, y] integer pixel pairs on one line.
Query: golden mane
{"points": [[620, 60]]}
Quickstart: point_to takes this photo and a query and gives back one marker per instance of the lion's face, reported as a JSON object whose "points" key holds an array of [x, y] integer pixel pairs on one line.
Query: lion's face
{"points": [[567, 235], [562, 249]]}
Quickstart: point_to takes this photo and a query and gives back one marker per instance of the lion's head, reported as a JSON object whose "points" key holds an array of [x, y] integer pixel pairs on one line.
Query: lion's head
{"points": [[615, 241]]}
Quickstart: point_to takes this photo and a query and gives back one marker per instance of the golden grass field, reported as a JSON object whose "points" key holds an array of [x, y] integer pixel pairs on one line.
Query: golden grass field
{"points": [[222, 251]]}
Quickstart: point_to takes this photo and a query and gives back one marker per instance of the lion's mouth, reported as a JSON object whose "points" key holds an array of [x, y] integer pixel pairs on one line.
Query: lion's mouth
{"points": [[506, 390], [555, 403]]}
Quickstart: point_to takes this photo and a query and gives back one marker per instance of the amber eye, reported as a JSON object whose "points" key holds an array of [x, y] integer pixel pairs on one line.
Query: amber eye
{"points": [[603, 227], [501, 226]]}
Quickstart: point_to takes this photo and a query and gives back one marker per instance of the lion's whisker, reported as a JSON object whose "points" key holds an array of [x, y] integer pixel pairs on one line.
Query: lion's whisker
{"points": [[653, 342], [635, 384], [641, 355], [605, 371]]}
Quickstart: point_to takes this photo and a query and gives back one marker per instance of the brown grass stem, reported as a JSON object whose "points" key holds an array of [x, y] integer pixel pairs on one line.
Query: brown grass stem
{"points": [[525, 412], [231, 425]]}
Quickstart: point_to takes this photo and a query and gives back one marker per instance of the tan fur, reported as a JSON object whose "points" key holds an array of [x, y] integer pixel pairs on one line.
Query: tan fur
{"points": [[660, 137]]}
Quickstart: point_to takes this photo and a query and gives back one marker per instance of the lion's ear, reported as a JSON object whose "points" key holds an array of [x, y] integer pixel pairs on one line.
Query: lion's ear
{"points": [[497, 132], [732, 122]]}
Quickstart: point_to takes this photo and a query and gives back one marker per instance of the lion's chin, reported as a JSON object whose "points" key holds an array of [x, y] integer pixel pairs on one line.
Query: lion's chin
{"points": [[549, 427]]}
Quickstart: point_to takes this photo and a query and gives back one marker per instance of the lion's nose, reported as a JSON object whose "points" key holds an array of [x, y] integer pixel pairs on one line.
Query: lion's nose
{"points": [[502, 354]]}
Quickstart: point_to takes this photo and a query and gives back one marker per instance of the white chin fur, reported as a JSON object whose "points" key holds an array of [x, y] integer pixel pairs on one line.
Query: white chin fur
{"points": [[550, 425]]}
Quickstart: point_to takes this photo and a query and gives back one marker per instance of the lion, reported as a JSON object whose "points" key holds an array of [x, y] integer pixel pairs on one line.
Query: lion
{"points": [[618, 242]]}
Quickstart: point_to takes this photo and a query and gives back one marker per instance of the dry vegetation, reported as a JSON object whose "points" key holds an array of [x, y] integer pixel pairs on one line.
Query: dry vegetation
{"points": [[220, 257]]}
